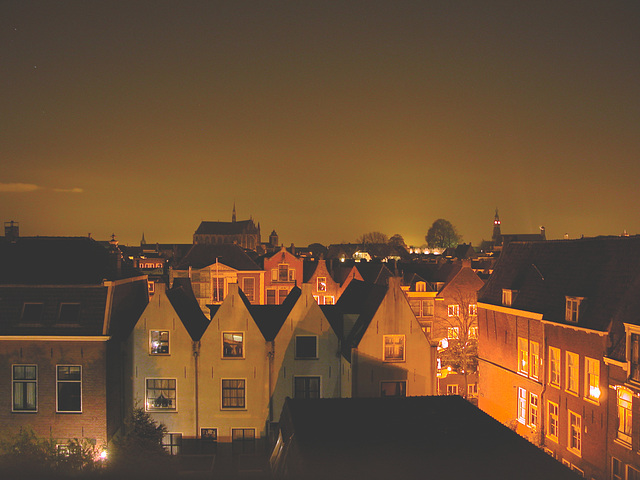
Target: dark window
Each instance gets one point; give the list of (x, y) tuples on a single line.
[(232, 345), (25, 388), (282, 295), (306, 387), (243, 440), (69, 313), (283, 272), (32, 313), (635, 357), (271, 297), (233, 393), (172, 443), (209, 434), (393, 389), (69, 382), (306, 346)]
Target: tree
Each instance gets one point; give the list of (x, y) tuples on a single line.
[(397, 240), (442, 234), (372, 237)]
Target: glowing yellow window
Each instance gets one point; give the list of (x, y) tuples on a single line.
[(523, 355)]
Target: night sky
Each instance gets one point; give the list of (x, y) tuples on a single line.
[(322, 120)]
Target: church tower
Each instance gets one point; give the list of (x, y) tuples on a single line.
[(233, 215), (496, 229)]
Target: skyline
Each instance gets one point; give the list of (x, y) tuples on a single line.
[(320, 120)]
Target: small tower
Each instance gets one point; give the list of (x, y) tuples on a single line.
[(273, 239), (143, 242), (11, 231), (496, 228), (233, 215)]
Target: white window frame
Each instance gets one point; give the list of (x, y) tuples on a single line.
[(452, 389), (534, 359), (533, 410), (453, 310), (592, 379), (572, 310), (393, 346), (570, 439), (160, 341), (523, 356), (222, 343), (20, 382), (555, 416), (522, 406), (321, 284), (148, 407), (555, 360), (59, 382), (572, 371), (244, 396), (624, 409)]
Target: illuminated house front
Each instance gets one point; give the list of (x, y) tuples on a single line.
[(558, 348)]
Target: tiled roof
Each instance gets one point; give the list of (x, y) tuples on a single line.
[(186, 306), (226, 228), (600, 269), (203, 255)]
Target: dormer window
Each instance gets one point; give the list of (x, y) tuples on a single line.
[(573, 309), (421, 286), (507, 297), (69, 314), (32, 313)]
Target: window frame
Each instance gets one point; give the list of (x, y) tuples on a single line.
[(321, 284), (533, 410), (69, 304), (60, 383), (160, 342), (209, 434), (169, 388), (224, 389), (577, 450), (298, 348), (171, 447), (555, 366), (224, 354), (534, 359), (592, 391), (453, 310), (572, 373), (307, 390), (245, 282), (23, 381), (572, 309), (552, 421), (402, 384), (452, 389), (473, 310), (521, 412), (394, 357), (523, 356), (25, 307), (624, 429)]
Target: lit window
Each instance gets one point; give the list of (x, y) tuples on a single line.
[(248, 288), (534, 359), (473, 310), (426, 328), (421, 286), (25, 388), (306, 346), (507, 297), (306, 387), (592, 378), (321, 284), (625, 402), (329, 300), (554, 366), (473, 332), (453, 310), (573, 372), (393, 348), (522, 405), (232, 345), (472, 390), (533, 410), (151, 286), (32, 313), (552, 421), (573, 309), (161, 394), (159, 342), (452, 389), (523, 355), (69, 314), (274, 274), (69, 388), (209, 435), (575, 432), (453, 333), (635, 357), (233, 393), (172, 443)]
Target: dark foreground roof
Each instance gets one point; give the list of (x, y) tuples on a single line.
[(203, 255), (406, 438)]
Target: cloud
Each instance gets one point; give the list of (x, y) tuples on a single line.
[(69, 190), (18, 187)]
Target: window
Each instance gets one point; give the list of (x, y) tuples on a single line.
[(243, 440), (69, 314), (472, 390), (453, 310), (69, 388), (32, 313), (522, 405), (306, 387), (25, 388), (573, 309), (321, 284), (283, 272), (473, 332), (625, 399), (393, 348), (172, 443), (421, 308), (233, 393), (617, 472), (271, 296), (159, 342), (151, 285), (573, 372), (426, 328), (592, 379), (209, 435), (534, 359), (453, 333), (554, 366), (473, 310), (507, 297), (421, 286), (635, 357), (452, 389), (427, 308), (282, 295), (575, 432), (523, 355), (232, 345), (393, 389), (533, 410), (161, 394), (306, 346), (248, 288), (217, 289), (632, 473), (552, 421), (328, 300)]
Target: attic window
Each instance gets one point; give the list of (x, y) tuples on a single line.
[(507, 297), (32, 313), (421, 286), (573, 309), (69, 313)]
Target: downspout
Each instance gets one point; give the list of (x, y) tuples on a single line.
[(196, 354), (270, 356)]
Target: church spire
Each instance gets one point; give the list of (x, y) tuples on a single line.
[(233, 215), (496, 227)]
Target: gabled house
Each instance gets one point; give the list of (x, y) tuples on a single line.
[(325, 289), (385, 351), (213, 268), (66, 304), (556, 350), (283, 271)]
